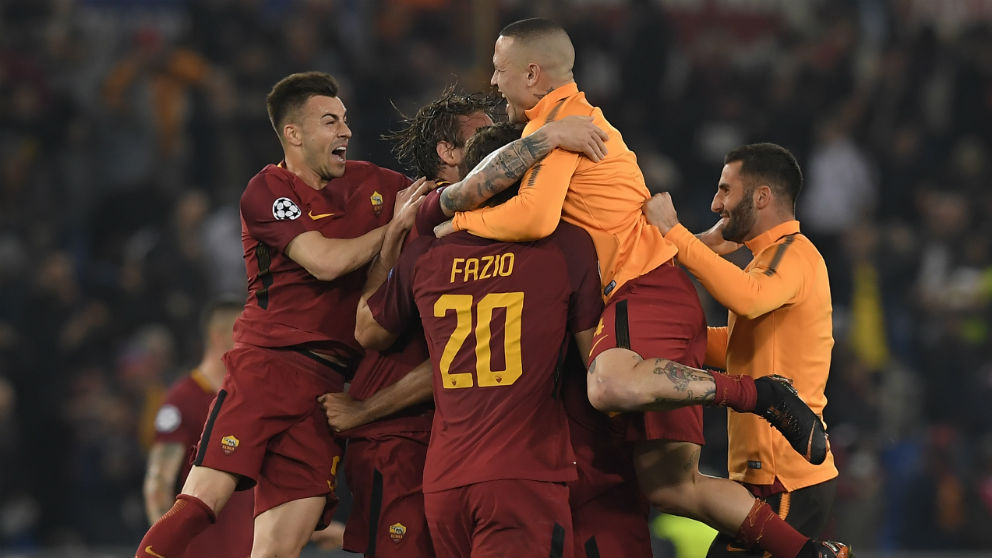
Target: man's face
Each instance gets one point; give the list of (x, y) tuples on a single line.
[(325, 134), (735, 203), (510, 76), (467, 125)]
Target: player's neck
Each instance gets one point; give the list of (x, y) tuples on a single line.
[(447, 173), (769, 221), (212, 368), (296, 166)]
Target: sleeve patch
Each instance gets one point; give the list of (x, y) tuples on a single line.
[(284, 209), (168, 419)]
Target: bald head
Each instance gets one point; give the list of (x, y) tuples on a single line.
[(542, 42)]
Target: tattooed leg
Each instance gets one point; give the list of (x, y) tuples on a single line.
[(620, 380)]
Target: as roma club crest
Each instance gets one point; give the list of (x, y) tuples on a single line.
[(376, 199), (396, 532), (229, 444)]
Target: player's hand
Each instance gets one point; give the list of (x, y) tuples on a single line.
[(713, 238), (329, 538), (343, 412), (444, 229), (409, 199), (578, 134), (660, 212)]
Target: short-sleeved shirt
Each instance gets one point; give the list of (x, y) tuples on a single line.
[(496, 316), (180, 421), (286, 305), (381, 369)]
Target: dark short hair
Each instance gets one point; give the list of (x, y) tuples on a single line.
[(217, 306), (486, 140), (293, 91), (415, 144), (527, 29), (770, 164)]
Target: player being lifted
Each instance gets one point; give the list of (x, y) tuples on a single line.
[(652, 336)]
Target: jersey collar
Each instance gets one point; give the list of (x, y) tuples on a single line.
[(546, 103), (767, 238)]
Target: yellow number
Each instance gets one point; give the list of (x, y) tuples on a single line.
[(462, 305), (513, 303)]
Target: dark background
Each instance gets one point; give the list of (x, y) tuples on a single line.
[(129, 128)]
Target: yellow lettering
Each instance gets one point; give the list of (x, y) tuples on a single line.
[(488, 260), (454, 268), (506, 264), (471, 268)]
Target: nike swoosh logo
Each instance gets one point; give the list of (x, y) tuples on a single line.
[(318, 216), (732, 548), (148, 550)]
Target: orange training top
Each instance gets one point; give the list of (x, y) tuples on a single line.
[(604, 198), (779, 323)]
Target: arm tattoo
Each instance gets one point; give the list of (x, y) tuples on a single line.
[(497, 172), (682, 378), (592, 367)]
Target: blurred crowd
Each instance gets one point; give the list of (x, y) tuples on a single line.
[(128, 129)]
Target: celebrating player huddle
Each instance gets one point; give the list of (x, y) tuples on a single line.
[(548, 292)]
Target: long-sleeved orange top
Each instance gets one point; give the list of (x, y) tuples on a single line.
[(779, 323), (604, 198)]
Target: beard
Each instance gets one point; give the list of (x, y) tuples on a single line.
[(740, 219)]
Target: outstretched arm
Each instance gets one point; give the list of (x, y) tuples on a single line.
[(503, 167)]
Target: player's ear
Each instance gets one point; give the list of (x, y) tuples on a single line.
[(292, 135), (446, 152), (762, 196), (533, 73)]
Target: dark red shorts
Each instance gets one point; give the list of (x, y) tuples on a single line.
[(266, 426), (385, 475), (658, 315), (613, 524), (609, 512), (501, 518)]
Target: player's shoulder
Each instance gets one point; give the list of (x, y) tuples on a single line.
[(271, 179), (571, 237), (182, 389), (364, 171)]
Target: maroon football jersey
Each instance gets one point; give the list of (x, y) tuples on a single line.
[(286, 305), (380, 369), (180, 421), (496, 316)]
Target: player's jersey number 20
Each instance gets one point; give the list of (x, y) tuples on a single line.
[(464, 306)]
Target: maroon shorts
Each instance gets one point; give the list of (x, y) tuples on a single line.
[(385, 475), (501, 518), (266, 426), (613, 524), (658, 315)]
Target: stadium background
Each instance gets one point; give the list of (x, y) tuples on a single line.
[(129, 127)]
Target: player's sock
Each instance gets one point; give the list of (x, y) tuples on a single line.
[(764, 528), (737, 392), (171, 534)]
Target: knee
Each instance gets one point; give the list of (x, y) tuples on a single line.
[(675, 498), (606, 393)]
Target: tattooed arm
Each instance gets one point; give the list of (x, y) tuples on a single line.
[(164, 462), (503, 167)]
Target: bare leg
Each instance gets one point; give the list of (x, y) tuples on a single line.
[(284, 530), (620, 380), (212, 487)]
